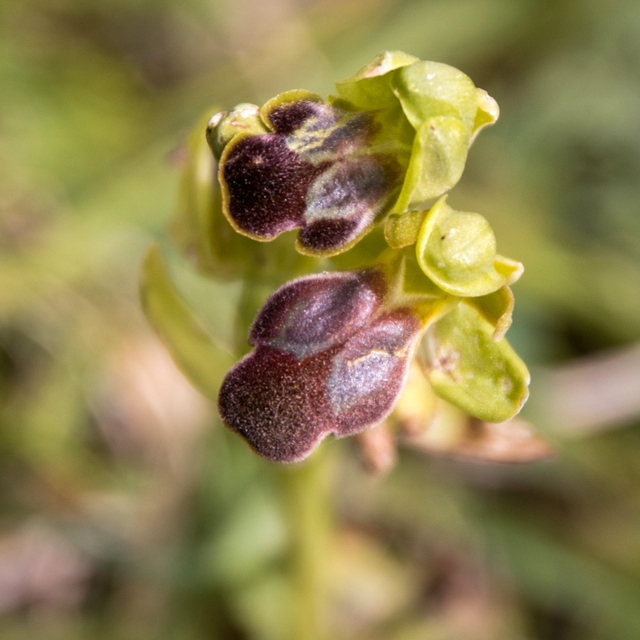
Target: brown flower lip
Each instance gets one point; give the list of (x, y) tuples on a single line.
[(314, 172), (329, 358)]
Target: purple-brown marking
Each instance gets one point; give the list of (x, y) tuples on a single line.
[(314, 313), (267, 185)]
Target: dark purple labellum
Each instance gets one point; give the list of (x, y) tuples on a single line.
[(329, 358), (317, 172)]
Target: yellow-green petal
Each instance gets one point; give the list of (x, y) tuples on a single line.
[(467, 368), (401, 229), (510, 269), (488, 112)]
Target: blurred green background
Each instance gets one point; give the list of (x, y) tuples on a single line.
[(126, 510)]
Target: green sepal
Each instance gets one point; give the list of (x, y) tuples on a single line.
[(438, 156), (457, 250), (198, 226), (447, 111), (429, 89), (370, 87), (193, 349), (467, 368)]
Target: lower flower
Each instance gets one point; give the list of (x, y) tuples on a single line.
[(332, 353), (331, 357)]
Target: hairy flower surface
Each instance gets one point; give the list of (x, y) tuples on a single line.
[(329, 171)]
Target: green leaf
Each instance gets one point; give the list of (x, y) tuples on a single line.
[(370, 88), (457, 250), (467, 368), (202, 361)]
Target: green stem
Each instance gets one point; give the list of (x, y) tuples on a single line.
[(306, 505), (308, 514)]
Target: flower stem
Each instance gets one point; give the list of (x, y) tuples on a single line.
[(308, 515)]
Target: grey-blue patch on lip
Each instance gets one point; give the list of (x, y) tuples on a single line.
[(351, 380), (356, 187), (370, 369)]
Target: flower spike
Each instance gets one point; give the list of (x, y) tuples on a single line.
[(331, 351)]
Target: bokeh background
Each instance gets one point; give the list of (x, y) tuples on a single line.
[(126, 511)]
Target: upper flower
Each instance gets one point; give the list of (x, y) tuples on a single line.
[(395, 137)]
